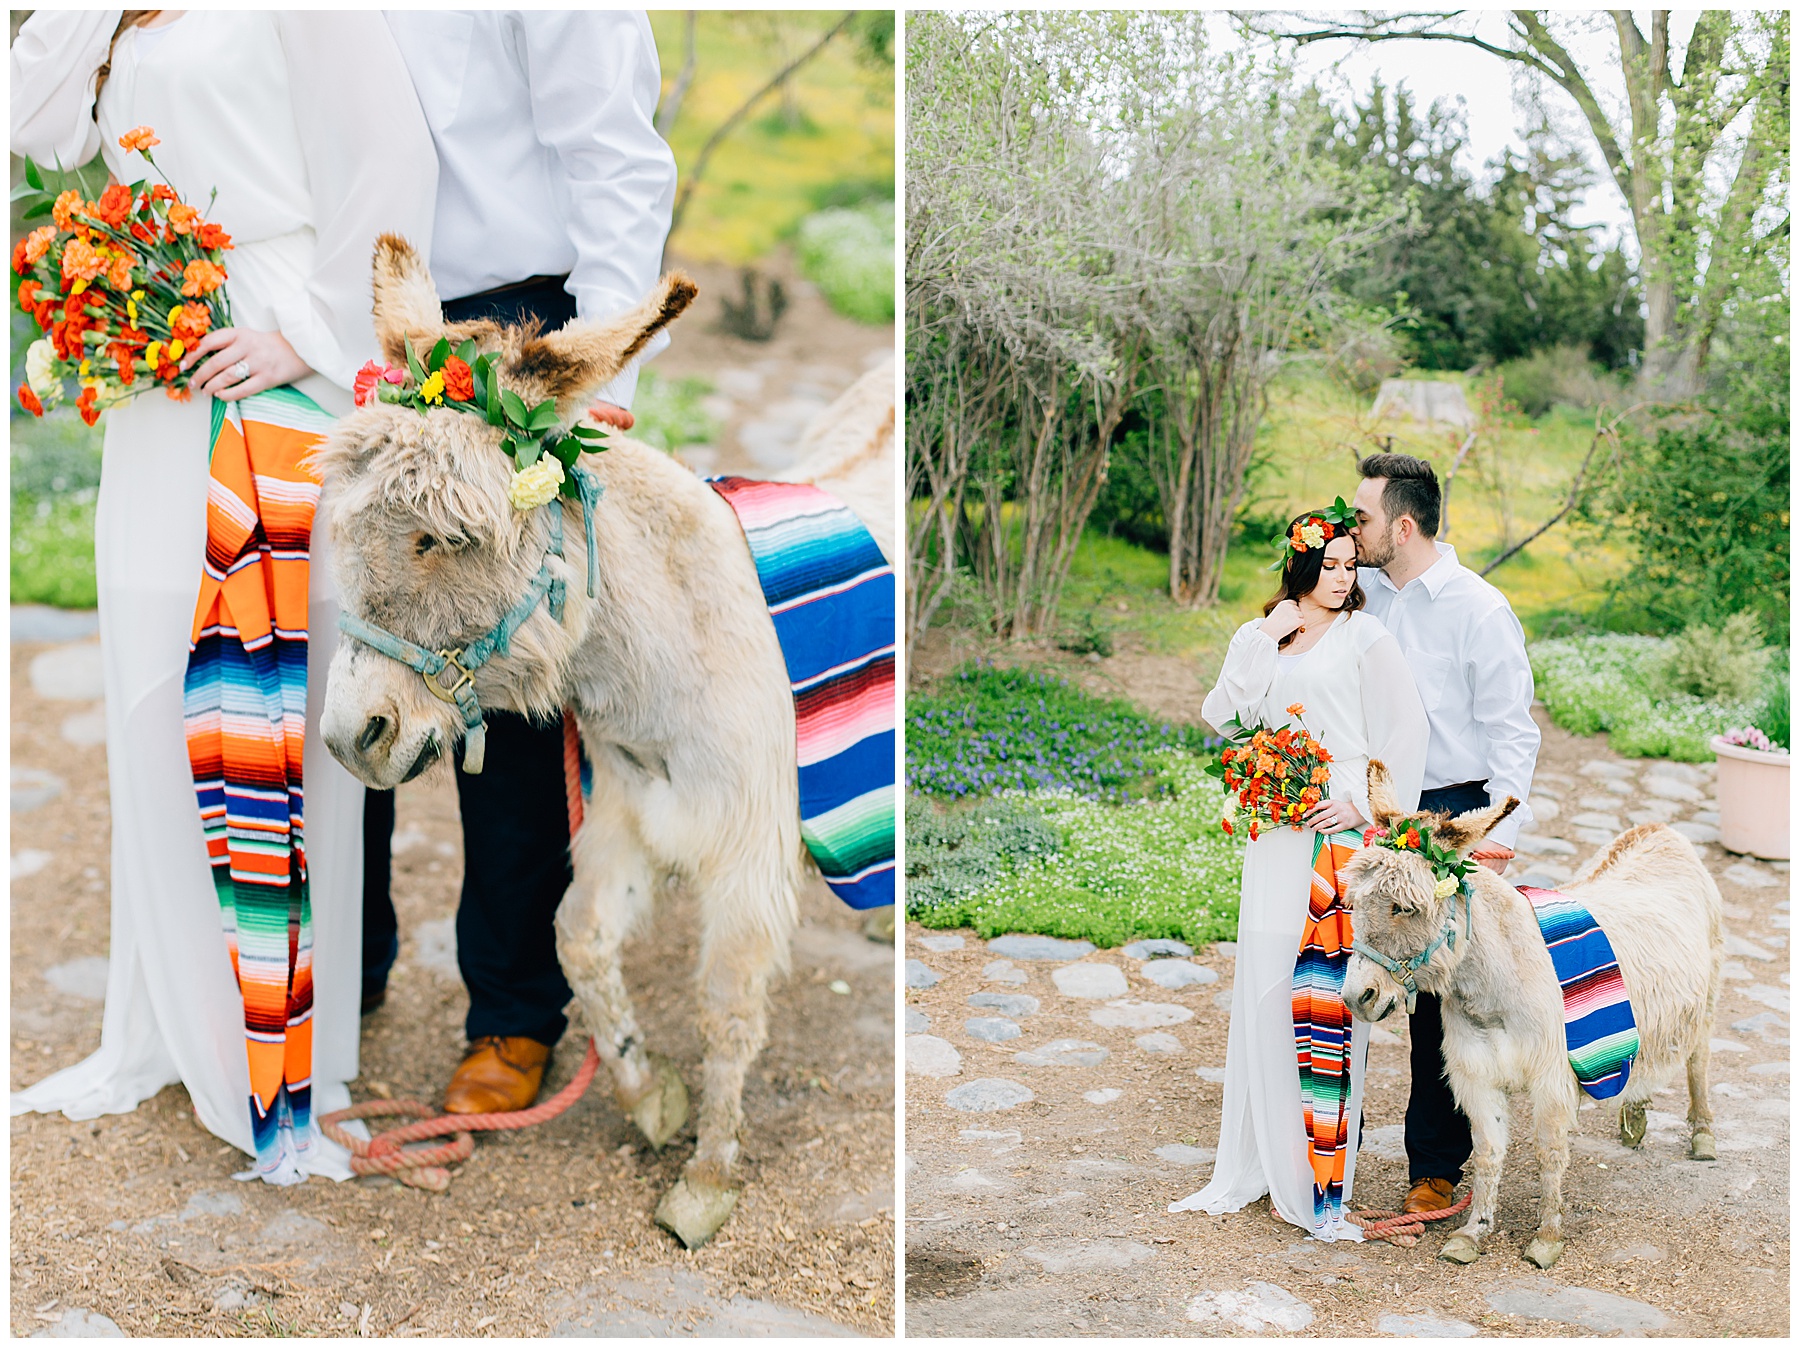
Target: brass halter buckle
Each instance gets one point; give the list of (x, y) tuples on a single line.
[(439, 690)]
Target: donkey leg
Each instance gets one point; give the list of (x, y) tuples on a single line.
[(612, 892), (1553, 1115), (737, 961), (1701, 1145), (1486, 1108)]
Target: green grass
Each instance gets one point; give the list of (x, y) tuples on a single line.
[(670, 413), (55, 475), (1148, 868), (849, 255)]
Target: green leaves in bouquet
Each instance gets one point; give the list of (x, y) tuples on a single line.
[(416, 370), (439, 354), (34, 176)]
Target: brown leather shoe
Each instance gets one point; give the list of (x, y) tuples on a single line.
[(500, 1075), (1430, 1195)]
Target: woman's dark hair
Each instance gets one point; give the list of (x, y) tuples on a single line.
[(1301, 570)]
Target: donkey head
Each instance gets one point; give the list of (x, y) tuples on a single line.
[(1394, 904), (427, 545)]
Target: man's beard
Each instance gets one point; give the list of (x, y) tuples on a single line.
[(1375, 551)]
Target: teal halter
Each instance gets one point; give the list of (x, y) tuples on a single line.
[(460, 663), (1404, 971)]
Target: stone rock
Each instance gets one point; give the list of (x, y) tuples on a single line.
[(1177, 1153), (1695, 833), (1177, 973), (1672, 788), (1039, 948), (40, 622), (1635, 1254), (1424, 1327), (82, 1324), (69, 673), (1736, 972), (1594, 837), (83, 978), (1542, 1299), (1727, 1046), (1097, 1254), (1126, 1015), (929, 1056), (1015, 1004), (1765, 1025), (212, 1203), (1064, 1053), (1222, 1000), (29, 861), (1543, 808), (1737, 945), (1560, 874), (86, 728), (1537, 845), (1694, 773), (918, 976), (1770, 1069), (1616, 786), (940, 944), (32, 787), (989, 1095), (1095, 982), (664, 1303), (1649, 814), (1385, 1144), (1750, 877), (1216, 1075), (1535, 878), (991, 1029), (1705, 817), (1380, 1038), (917, 1022), (1002, 971), (1600, 767), (1596, 814), (1263, 1307), (1143, 950), (1776, 999), (293, 1228), (1102, 1097), (1158, 1043), (1223, 948)]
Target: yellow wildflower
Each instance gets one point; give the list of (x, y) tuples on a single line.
[(432, 391), (176, 348), (153, 354)]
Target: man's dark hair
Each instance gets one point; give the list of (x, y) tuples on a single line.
[(1412, 488)]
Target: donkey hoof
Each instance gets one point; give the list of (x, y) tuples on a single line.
[(1634, 1122), (664, 1108), (1460, 1249), (1544, 1253), (693, 1212), (1701, 1146)]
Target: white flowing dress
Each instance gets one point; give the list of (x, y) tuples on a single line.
[(307, 125), (1360, 703)]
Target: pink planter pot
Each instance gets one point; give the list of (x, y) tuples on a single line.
[(1753, 801)]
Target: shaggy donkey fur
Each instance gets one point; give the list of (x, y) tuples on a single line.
[(673, 672), (1503, 1008)]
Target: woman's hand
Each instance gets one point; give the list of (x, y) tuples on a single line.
[(241, 361), (1283, 619), (1333, 816)]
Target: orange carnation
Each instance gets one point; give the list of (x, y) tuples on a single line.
[(459, 380), (1296, 709), (139, 138), (118, 274), (28, 294), (201, 278), (38, 242), (63, 212), (29, 401), (85, 405), (212, 237), (189, 322), (183, 218), (81, 261)]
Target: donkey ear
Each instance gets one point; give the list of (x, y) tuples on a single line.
[(406, 300), (1381, 795), (1465, 830), (577, 361)]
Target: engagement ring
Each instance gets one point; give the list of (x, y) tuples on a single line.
[(241, 370)]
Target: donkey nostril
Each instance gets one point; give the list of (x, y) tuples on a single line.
[(372, 733), (1368, 996)]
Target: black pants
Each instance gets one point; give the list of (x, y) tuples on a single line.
[(1437, 1133), (515, 824)]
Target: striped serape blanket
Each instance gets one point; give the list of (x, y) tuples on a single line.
[(1322, 1025), (831, 594), (244, 710), (1598, 1027)]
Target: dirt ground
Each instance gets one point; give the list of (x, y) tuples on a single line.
[(135, 1218), (1049, 1217)]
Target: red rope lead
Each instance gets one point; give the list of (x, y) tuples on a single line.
[(1403, 1228), (423, 1168)]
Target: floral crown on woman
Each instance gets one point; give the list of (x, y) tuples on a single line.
[(1315, 531)]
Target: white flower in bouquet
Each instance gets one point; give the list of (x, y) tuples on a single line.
[(40, 372)]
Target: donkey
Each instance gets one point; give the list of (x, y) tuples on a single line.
[(672, 669), (1503, 1007)]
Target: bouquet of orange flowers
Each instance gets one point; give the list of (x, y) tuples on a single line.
[(122, 287), (1278, 774)]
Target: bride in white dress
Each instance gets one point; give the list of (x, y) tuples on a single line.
[(307, 125), (1343, 666)]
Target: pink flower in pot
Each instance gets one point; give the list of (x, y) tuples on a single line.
[(1753, 794)]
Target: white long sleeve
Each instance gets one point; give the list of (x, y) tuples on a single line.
[(1245, 678), (1398, 730), (52, 65), (371, 169)]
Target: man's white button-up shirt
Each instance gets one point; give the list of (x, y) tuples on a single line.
[(1466, 650), (548, 158)]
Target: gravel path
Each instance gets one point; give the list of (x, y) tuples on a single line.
[(1058, 1099)]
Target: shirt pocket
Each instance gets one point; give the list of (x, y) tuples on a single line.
[(1432, 674)]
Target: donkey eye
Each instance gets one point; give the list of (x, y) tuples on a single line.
[(425, 544)]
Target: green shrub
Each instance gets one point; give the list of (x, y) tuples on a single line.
[(1772, 720), (951, 854), (671, 413), (55, 478), (849, 255), (1727, 664), (1149, 868)]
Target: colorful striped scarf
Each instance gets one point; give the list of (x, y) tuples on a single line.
[(244, 709), (831, 594), (1322, 1025), (1598, 1027)]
